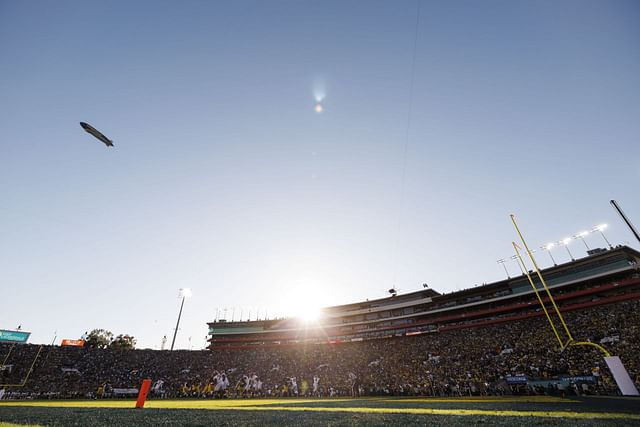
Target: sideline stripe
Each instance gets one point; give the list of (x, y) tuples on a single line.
[(163, 404), (233, 403), (476, 400), (252, 406)]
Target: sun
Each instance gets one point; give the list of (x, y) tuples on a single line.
[(310, 315), (307, 310), (304, 302)]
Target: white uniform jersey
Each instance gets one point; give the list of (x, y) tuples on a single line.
[(221, 383), (157, 387)]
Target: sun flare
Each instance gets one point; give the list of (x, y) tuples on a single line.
[(305, 302)]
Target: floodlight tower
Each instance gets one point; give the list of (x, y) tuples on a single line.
[(548, 248), (600, 228), (500, 261), (184, 293), (565, 242), (580, 236)]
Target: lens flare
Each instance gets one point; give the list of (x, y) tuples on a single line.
[(319, 91)]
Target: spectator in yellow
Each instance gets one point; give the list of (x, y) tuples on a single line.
[(304, 387)]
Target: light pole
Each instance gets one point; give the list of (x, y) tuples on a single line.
[(184, 293), (618, 209), (520, 265), (565, 243), (600, 228), (502, 261), (580, 236), (547, 248)]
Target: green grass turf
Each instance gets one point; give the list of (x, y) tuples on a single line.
[(375, 411)]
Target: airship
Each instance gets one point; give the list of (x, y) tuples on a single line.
[(95, 132)]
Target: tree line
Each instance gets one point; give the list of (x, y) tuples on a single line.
[(102, 338)]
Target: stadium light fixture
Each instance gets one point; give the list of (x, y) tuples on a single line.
[(548, 248), (184, 293), (515, 258), (565, 242), (600, 228), (581, 236), (502, 261)]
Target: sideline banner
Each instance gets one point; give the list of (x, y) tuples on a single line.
[(620, 374), (591, 379), (516, 379)]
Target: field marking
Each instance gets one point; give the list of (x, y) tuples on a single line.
[(532, 399), (262, 405), (235, 403), (6, 424), (163, 404)]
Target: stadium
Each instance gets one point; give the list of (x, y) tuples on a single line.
[(486, 352), (605, 277), (327, 185)]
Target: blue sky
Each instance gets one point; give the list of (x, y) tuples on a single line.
[(225, 180)]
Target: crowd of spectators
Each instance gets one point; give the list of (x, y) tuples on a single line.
[(473, 361)]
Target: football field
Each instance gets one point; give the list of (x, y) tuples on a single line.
[(363, 411)]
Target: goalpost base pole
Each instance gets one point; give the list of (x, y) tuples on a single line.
[(144, 391)]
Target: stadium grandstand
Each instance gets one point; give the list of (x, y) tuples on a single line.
[(485, 340), (604, 277)]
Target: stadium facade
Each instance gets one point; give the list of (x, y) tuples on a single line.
[(605, 276)]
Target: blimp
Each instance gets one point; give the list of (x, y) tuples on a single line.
[(95, 132)]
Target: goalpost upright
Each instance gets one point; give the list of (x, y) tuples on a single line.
[(28, 372), (620, 374)]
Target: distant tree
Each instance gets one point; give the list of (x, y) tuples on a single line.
[(98, 338), (123, 342)]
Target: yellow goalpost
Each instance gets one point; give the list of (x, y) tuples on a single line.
[(619, 372), (30, 368), (570, 341)]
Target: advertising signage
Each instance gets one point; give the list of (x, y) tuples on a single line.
[(517, 379), (14, 336), (72, 343)]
